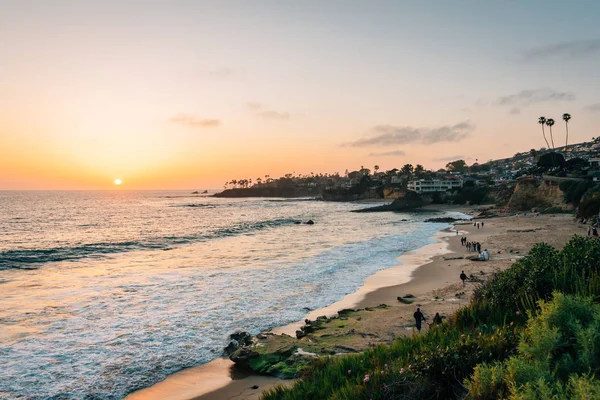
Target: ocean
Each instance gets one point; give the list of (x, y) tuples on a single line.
[(103, 293)]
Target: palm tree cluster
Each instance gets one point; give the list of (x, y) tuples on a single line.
[(550, 122)]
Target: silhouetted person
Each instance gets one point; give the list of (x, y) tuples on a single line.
[(463, 277), (418, 318), (482, 224), (437, 320)]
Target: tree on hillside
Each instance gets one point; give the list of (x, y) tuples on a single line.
[(459, 166), (551, 160), (376, 168), (566, 117), (550, 123), (407, 170), (542, 121), (419, 171), (533, 153)]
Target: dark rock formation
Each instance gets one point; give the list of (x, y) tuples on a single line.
[(310, 222), (243, 356), (409, 201), (237, 340), (444, 219)]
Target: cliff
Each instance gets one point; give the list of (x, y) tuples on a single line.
[(530, 194)]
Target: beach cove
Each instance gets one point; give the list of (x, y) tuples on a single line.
[(430, 274)]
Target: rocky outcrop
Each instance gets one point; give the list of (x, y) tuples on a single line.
[(446, 220), (237, 340), (529, 194), (409, 201)]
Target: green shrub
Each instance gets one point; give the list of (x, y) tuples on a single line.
[(558, 350)]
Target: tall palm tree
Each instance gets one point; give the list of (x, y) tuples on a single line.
[(542, 122), (550, 122), (566, 118)]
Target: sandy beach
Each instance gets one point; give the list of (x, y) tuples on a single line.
[(430, 274)]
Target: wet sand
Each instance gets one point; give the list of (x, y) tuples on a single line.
[(430, 273)]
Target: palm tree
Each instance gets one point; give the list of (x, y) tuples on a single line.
[(542, 121), (550, 122), (566, 118), (376, 168)]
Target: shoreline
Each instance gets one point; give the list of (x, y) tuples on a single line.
[(433, 281), (218, 378)]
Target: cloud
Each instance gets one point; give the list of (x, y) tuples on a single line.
[(254, 106), (386, 135), (451, 158), (577, 48), (260, 111), (531, 96), (221, 73), (593, 107), (270, 114), (194, 122), (515, 111), (388, 154)]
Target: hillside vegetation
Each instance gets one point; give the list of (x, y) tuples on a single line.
[(531, 332)]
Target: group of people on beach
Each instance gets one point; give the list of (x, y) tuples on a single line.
[(419, 318), (478, 224), (471, 246)]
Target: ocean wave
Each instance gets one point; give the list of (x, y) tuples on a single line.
[(34, 258)]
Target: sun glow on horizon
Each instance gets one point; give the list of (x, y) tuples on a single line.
[(118, 181)]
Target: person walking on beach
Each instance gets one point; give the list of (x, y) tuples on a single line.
[(463, 277), (478, 225), (437, 320), (482, 224), (418, 318), (589, 231)]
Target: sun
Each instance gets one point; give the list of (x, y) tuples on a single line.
[(118, 181)]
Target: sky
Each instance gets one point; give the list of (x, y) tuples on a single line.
[(191, 94)]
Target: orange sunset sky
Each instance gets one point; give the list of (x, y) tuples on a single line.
[(190, 94)]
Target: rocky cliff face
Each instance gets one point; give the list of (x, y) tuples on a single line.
[(531, 194)]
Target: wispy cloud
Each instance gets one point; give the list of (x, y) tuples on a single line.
[(395, 153), (514, 111), (271, 114), (221, 73), (451, 158), (593, 107), (577, 48), (194, 122), (387, 135), (531, 96), (261, 111)]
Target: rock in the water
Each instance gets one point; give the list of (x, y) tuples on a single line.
[(310, 222), (409, 296), (443, 219), (237, 340)]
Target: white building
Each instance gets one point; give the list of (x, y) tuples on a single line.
[(422, 186)]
